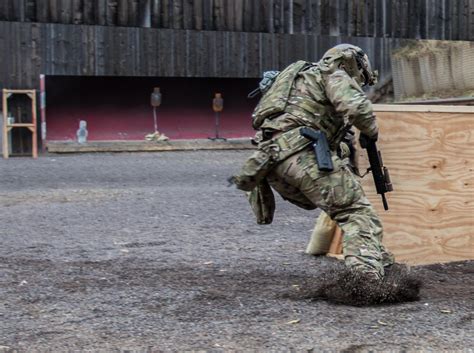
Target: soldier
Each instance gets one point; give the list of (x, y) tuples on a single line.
[(326, 97)]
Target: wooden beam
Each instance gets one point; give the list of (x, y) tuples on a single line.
[(207, 15), (53, 11), (122, 12), (4, 127), (133, 14), (198, 13), (155, 13), (33, 128), (188, 14), (77, 11), (101, 12), (423, 108), (146, 146), (65, 13)]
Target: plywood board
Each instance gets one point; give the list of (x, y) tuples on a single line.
[(431, 160)]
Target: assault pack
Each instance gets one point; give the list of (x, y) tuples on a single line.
[(275, 99)]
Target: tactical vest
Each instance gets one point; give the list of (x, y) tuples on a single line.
[(312, 106), (275, 100), (284, 97)]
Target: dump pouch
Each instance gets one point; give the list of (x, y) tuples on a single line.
[(256, 167), (262, 201)]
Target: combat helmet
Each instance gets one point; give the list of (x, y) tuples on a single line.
[(354, 61)]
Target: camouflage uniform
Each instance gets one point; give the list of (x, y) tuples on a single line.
[(324, 229), (323, 97)]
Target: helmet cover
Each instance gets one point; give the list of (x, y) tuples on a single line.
[(354, 61)]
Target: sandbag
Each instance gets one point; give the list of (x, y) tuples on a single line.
[(322, 235)]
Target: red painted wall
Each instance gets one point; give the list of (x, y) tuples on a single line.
[(118, 108)]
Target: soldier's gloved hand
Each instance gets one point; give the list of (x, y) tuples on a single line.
[(349, 137), (364, 140), (231, 181), (344, 151)]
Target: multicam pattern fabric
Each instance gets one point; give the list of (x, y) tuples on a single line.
[(340, 195), (274, 101), (323, 231), (328, 101), (262, 201), (326, 98), (269, 153)]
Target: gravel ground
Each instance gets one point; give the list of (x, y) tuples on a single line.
[(154, 252)]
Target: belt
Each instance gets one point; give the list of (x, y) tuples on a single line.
[(269, 134)]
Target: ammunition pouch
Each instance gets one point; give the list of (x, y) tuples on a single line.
[(262, 201)]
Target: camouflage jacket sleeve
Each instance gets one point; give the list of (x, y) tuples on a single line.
[(350, 101)]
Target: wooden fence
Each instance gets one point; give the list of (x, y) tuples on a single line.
[(418, 19), (31, 49), (428, 150)]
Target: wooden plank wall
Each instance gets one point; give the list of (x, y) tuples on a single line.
[(428, 150), (418, 19), (31, 49)]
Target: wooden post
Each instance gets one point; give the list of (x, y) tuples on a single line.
[(33, 129), (4, 130)]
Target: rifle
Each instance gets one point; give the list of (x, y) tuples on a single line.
[(321, 148), (380, 173)]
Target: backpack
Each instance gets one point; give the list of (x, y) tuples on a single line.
[(275, 99)]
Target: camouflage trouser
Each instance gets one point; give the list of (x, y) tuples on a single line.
[(340, 195), (323, 234)]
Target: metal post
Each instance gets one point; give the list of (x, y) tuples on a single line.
[(154, 119), (43, 111), (217, 125), (217, 106), (155, 101)]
